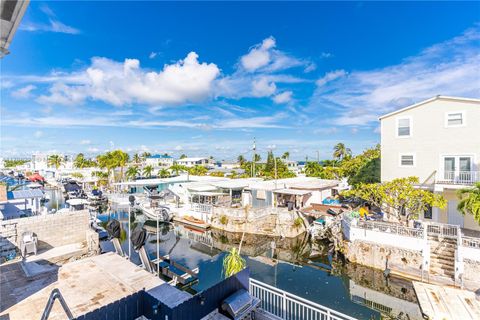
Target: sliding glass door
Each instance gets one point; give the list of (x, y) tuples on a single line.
[(457, 168)]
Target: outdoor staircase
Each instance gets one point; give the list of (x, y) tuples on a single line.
[(442, 256)]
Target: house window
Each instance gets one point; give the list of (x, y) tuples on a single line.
[(455, 119), (428, 213), (407, 160), (404, 127)]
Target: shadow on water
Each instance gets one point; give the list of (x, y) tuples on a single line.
[(295, 265)]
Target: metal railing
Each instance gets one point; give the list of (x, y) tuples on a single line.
[(291, 307), (459, 177), (471, 242), (443, 230), (201, 207), (391, 228)]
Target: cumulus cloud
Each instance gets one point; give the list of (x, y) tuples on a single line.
[(152, 55), (38, 134), (448, 68), (283, 97), (263, 57), (118, 83), (24, 92), (263, 88)]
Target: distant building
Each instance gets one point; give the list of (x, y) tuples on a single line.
[(159, 160), (192, 162), (438, 141)]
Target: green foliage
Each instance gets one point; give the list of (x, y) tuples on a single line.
[(267, 170), (233, 263), (198, 170), (55, 160), (217, 174), (241, 159), (314, 169), (14, 163), (132, 172), (77, 175), (147, 171), (177, 168), (146, 155), (223, 219), (163, 173), (470, 201), (183, 156), (369, 173), (298, 222), (341, 152), (136, 158), (398, 195)]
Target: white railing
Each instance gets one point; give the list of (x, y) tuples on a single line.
[(291, 307), (390, 228), (202, 207), (459, 177), (443, 230), (470, 242)]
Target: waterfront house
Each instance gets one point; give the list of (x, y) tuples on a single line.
[(192, 162), (159, 160), (15, 204), (438, 141)]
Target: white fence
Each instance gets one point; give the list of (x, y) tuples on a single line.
[(459, 177), (291, 307), (443, 230), (202, 208), (391, 228)]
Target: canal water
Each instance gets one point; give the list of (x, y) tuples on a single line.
[(294, 265)]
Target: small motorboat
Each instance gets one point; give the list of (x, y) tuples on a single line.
[(155, 212)]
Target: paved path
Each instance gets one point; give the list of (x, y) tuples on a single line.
[(441, 302)]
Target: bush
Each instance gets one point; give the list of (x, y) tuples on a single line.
[(223, 220), (298, 222)]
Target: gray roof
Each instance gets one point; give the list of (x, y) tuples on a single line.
[(25, 194)]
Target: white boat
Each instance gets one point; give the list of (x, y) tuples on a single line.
[(160, 213)]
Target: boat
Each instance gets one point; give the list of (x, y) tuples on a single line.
[(193, 222), (155, 212)]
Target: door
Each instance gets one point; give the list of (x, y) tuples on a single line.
[(454, 217), (449, 168), (465, 169)]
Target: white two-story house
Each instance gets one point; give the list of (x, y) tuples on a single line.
[(438, 141)]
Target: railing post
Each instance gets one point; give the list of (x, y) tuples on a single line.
[(284, 305)]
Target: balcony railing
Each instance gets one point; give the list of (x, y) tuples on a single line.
[(458, 177)]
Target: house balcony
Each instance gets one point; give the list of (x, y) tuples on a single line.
[(461, 178)]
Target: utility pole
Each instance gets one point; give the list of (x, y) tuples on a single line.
[(254, 157)]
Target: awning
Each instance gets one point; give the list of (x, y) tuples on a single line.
[(295, 192), (201, 188)]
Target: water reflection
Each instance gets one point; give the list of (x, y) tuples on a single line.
[(294, 265)]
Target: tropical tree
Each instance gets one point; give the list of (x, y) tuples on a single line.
[(132, 172), (198, 170), (146, 155), (80, 161), (55, 160), (136, 158), (77, 175), (112, 160), (341, 152), (147, 171), (241, 159), (470, 201), (286, 155), (257, 158), (399, 197), (183, 156), (163, 173), (177, 168)]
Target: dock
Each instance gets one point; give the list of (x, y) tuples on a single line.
[(86, 285), (442, 302)]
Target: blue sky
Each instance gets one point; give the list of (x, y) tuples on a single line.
[(206, 78)]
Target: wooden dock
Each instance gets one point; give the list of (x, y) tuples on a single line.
[(442, 302)]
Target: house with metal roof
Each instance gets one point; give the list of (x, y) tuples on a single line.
[(15, 204), (159, 160)]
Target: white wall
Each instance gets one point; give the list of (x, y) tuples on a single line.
[(430, 138)]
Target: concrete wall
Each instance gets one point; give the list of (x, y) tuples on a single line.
[(430, 138), (53, 230)]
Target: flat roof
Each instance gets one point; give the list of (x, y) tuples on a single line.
[(293, 192), (25, 194), (85, 284)]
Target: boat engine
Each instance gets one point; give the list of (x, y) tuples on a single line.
[(114, 228), (138, 237)]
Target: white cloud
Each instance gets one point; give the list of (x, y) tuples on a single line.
[(152, 55), (93, 149), (264, 57), (448, 68), (85, 142), (38, 134), (283, 97), (24, 92), (178, 148), (325, 55), (53, 24), (263, 88), (125, 83), (330, 76)]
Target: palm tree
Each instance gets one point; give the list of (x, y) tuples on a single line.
[(241, 159), (341, 152), (147, 171), (286, 155), (163, 173), (470, 201), (80, 161), (132, 172), (177, 168), (257, 158), (136, 158), (183, 156), (55, 160)]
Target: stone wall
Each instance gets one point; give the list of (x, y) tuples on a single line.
[(471, 270), (52, 230), (398, 260)]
